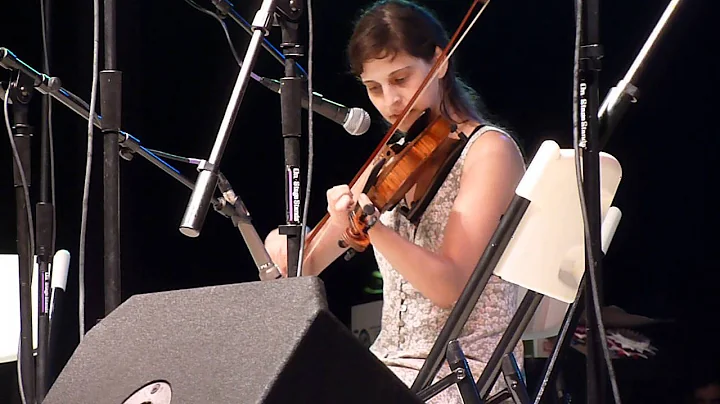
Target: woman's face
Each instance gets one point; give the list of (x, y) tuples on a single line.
[(391, 83)]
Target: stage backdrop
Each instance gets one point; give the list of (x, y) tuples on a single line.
[(178, 73)]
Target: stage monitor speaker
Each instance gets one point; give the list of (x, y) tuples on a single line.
[(257, 342)]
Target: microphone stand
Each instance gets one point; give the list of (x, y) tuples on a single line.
[(44, 233), (225, 8), (587, 98), (230, 205), (611, 112), (206, 182), (19, 94), (287, 17), (111, 110)]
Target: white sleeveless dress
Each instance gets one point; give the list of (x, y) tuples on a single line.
[(411, 322)]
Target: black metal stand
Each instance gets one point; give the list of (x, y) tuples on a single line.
[(508, 341), (129, 145), (19, 95), (459, 365), (206, 182), (514, 380), (564, 338), (590, 54), (355, 121), (230, 205), (111, 110), (44, 235), (472, 292), (287, 17), (43, 246), (609, 115), (460, 374), (225, 8)]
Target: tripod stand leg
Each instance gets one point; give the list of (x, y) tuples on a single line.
[(460, 375), (471, 294), (466, 384), (509, 340), (563, 340), (513, 378)]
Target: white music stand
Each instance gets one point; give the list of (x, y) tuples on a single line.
[(10, 307), (554, 269), (551, 312), (538, 245), (10, 300), (546, 253)]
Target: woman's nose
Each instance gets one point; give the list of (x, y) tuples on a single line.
[(392, 97)]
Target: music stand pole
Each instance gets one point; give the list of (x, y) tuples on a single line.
[(287, 17), (111, 110)]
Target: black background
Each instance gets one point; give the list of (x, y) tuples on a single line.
[(178, 73)]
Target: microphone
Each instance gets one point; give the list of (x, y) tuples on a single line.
[(356, 121), (58, 281), (267, 269)]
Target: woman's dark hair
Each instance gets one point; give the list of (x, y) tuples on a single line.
[(389, 27)]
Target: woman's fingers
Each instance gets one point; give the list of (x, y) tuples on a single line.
[(340, 199)]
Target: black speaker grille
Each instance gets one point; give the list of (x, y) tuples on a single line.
[(257, 342)]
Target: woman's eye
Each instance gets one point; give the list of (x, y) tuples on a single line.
[(400, 80)]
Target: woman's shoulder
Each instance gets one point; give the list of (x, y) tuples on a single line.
[(489, 143)]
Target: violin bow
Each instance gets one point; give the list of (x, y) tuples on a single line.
[(458, 36)]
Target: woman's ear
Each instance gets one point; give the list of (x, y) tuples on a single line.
[(442, 69)]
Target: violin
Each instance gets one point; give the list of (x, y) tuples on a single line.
[(419, 161), (398, 168)]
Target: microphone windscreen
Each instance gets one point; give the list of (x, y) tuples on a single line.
[(60, 266)]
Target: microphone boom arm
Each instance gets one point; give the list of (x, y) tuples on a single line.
[(130, 145)]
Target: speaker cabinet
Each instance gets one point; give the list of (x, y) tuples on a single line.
[(257, 342)]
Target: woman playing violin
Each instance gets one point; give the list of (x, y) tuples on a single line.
[(426, 264)]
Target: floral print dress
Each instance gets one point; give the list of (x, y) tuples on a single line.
[(411, 323)]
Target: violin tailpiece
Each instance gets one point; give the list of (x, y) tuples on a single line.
[(425, 192)]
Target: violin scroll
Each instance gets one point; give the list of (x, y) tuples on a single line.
[(362, 219)]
